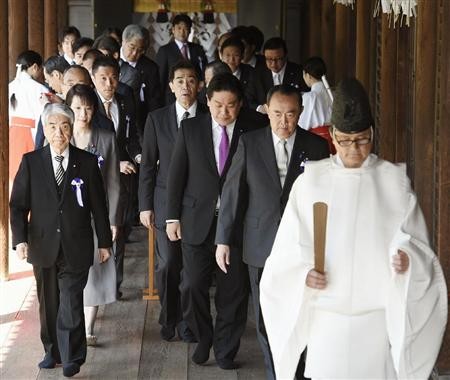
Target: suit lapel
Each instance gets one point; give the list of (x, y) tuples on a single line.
[(49, 174), (297, 160), (172, 122), (208, 142), (71, 172), (267, 152), (175, 51)]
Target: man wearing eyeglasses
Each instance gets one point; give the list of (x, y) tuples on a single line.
[(382, 291), (277, 70)]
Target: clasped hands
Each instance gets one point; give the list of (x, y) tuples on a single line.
[(317, 280)]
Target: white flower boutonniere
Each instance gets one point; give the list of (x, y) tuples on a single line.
[(77, 184)]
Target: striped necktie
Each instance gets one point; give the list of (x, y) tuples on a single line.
[(60, 170), (282, 157)]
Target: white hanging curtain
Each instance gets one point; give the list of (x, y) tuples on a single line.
[(398, 10)]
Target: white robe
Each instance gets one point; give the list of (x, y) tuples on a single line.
[(28, 94), (316, 107), (372, 212)]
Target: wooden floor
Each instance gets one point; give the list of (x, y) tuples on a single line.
[(129, 346)]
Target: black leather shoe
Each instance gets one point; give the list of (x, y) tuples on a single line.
[(201, 353), (227, 364), (167, 333), (71, 369), (48, 361)]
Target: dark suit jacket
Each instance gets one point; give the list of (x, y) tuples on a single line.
[(194, 183), (103, 144), (127, 137), (160, 133), (145, 82), (169, 54), (59, 222), (263, 82), (253, 190), (247, 78), (98, 121)]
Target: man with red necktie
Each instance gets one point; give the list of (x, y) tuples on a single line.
[(202, 155)]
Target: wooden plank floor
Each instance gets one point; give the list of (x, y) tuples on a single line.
[(129, 346)]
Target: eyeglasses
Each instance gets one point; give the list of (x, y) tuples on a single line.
[(274, 60), (349, 142), (358, 142)]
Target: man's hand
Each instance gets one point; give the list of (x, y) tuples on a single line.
[(173, 231), (316, 280), (223, 256), (22, 251), (104, 254), (127, 167), (400, 262), (114, 231), (147, 218)]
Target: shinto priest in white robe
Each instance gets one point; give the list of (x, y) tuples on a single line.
[(369, 322)]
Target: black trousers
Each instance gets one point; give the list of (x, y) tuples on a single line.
[(255, 274), (231, 298), (61, 315), (169, 261), (127, 191)]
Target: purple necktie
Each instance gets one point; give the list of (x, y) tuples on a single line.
[(184, 52), (223, 148)]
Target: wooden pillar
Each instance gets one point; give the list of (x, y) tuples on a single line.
[(345, 44), (36, 26), (387, 106), (443, 162), (313, 34), (363, 32), (63, 14), (424, 110), (50, 28), (17, 32), (4, 142), (328, 25)]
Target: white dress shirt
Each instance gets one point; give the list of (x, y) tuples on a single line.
[(237, 73), (65, 162), (280, 74), (180, 110), (180, 45), (113, 110), (289, 143)]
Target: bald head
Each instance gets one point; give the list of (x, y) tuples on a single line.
[(75, 75)]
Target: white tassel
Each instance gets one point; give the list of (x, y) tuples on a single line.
[(327, 87), (19, 70)]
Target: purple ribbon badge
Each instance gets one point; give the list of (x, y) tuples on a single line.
[(77, 184), (100, 161)]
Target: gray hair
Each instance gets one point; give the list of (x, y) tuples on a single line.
[(57, 109), (136, 31)]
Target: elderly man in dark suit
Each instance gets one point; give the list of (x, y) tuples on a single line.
[(159, 139), (203, 152), (177, 49), (56, 192), (257, 187), (278, 70), (134, 62)]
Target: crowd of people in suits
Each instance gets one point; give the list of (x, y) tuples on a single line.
[(205, 153)]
